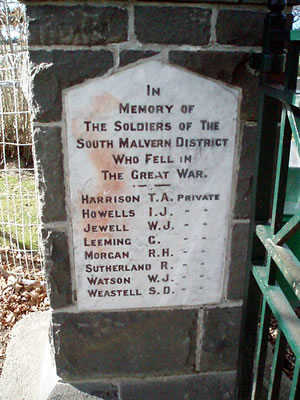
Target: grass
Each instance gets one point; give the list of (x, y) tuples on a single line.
[(18, 212)]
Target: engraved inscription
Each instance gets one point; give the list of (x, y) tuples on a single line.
[(150, 154)]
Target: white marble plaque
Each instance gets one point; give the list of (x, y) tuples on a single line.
[(150, 155)]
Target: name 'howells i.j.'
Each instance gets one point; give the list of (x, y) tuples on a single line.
[(157, 174)]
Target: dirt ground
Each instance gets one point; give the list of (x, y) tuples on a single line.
[(18, 296)]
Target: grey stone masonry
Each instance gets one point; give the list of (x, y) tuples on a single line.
[(130, 56), (233, 2), (147, 354), (90, 391), (198, 387), (60, 70), (231, 31), (190, 387), (21, 376), (173, 25), (238, 254), (231, 67), (289, 2), (124, 343), (219, 350), (57, 266), (246, 171), (77, 26), (48, 152)]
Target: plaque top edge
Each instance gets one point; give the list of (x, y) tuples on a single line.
[(152, 65)]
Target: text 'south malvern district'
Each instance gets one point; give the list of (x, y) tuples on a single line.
[(150, 158)]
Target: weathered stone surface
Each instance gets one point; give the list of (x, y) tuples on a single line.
[(258, 2), (245, 173), (229, 67), (230, 30), (117, 344), (254, 1), (195, 274), (172, 25), (48, 151), (87, 391), (67, 392), (64, 69), (289, 2), (160, 1), (201, 387), (25, 359), (57, 267), (105, 391), (219, 348), (190, 1), (237, 267), (77, 25), (130, 56)]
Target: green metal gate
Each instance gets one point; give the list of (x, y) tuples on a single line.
[(273, 276)]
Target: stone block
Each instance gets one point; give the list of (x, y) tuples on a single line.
[(245, 174), (25, 359), (190, 1), (220, 343), (48, 153), (160, 1), (61, 70), (229, 67), (231, 31), (237, 268), (173, 25), (87, 391), (265, 2), (57, 268), (201, 387), (118, 343), (85, 25), (130, 56), (262, 2), (258, 2), (105, 391)]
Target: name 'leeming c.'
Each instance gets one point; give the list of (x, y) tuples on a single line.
[(165, 157)]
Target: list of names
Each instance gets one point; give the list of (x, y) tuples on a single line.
[(149, 155)]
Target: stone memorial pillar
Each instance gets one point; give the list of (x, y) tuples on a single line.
[(144, 141)]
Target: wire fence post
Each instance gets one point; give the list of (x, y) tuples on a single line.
[(20, 251)]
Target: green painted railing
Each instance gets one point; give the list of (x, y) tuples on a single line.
[(273, 276)]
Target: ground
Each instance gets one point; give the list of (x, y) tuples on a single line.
[(18, 296)]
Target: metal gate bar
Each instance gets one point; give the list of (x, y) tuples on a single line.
[(273, 276)]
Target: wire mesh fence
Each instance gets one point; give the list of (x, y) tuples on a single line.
[(20, 252)]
